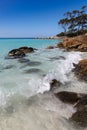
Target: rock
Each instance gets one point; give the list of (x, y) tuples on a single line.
[(80, 117), (20, 52), (78, 43), (15, 53), (81, 70), (54, 84), (82, 103), (57, 58), (68, 97), (60, 45), (50, 47), (33, 63), (82, 48), (33, 70), (26, 49), (23, 60)]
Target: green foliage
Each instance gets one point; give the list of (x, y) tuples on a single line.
[(74, 23), (60, 34)]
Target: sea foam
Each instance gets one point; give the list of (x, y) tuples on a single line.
[(29, 85), (60, 72)]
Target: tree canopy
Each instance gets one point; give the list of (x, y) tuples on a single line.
[(74, 22)]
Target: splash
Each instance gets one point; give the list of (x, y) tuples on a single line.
[(60, 72)]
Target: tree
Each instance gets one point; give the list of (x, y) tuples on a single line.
[(83, 17), (64, 23), (75, 21)]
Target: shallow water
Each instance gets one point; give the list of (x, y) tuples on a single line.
[(25, 99)]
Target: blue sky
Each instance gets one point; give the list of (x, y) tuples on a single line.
[(30, 18)]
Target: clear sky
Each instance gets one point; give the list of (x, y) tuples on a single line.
[(32, 18)]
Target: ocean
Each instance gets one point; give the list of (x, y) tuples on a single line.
[(26, 102)]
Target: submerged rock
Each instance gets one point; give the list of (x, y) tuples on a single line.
[(33, 70), (23, 60), (68, 97), (58, 58), (15, 53), (33, 63), (81, 69), (9, 67)]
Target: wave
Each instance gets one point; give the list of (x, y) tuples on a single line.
[(59, 72), (29, 86)]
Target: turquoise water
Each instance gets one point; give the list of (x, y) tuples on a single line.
[(23, 103), (8, 44), (14, 81)]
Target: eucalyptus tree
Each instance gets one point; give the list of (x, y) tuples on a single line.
[(83, 18), (64, 23), (75, 21)]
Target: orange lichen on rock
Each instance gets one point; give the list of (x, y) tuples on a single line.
[(78, 43)]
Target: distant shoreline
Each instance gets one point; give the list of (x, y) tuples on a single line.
[(43, 38)]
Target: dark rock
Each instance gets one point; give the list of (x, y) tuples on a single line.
[(82, 103), (19, 53), (15, 53), (68, 97), (50, 47), (54, 84), (33, 70), (80, 117), (57, 58), (31, 63), (26, 49)]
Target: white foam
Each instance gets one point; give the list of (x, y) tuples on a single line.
[(2, 98), (27, 86), (60, 72)]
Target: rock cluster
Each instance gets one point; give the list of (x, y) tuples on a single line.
[(20, 52), (78, 43)]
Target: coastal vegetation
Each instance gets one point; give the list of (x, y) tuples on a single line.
[(74, 23)]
